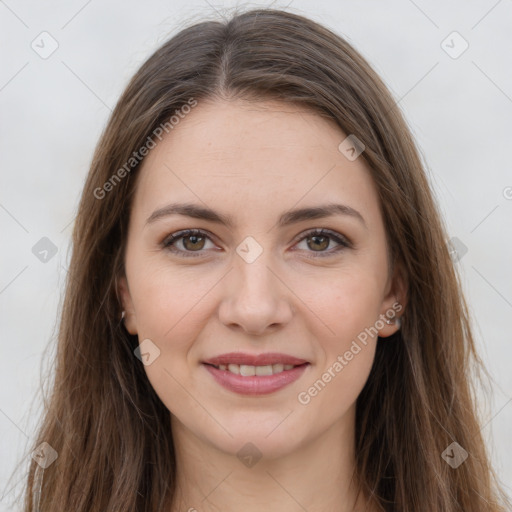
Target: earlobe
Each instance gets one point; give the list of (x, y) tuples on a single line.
[(389, 323), (393, 305), (128, 315)]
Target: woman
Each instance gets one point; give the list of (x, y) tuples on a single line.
[(261, 309)]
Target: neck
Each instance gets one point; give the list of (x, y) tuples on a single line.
[(316, 476)]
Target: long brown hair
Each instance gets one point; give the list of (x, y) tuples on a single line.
[(110, 430)]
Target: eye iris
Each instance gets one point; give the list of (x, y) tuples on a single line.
[(193, 239), (323, 245)]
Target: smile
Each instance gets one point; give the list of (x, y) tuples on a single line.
[(249, 371), (255, 375)]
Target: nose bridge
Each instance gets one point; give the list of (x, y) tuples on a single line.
[(254, 279), (256, 298)]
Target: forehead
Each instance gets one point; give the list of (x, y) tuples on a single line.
[(250, 159)]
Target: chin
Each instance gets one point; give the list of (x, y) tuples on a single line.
[(258, 445), (266, 435)]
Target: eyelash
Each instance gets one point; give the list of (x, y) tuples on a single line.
[(168, 242)]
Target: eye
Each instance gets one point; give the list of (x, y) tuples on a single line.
[(319, 239), (194, 241)]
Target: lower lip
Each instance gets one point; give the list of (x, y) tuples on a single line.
[(256, 385)]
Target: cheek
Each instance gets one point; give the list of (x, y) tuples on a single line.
[(344, 359), (350, 304), (350, 308), (172, 306), (168, 300), (332, 391)]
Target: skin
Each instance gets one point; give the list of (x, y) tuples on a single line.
[(253, 161)]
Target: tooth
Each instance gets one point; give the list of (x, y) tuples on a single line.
[(234, 368), (247, 371), (264, 370), (277, 368)]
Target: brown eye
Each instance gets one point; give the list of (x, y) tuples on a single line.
[(191, 241), (194, 242), (318, 242)]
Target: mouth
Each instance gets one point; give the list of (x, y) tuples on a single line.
[(255, 375)]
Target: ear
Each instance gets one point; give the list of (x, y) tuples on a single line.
[(394, 302), (130, 320)]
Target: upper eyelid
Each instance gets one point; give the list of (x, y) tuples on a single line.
[(176, 235)]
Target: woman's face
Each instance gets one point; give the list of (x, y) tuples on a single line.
[(295, 312)]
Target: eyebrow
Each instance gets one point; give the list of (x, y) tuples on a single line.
[(287, 218)]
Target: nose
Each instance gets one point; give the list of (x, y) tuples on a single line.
[(256, 299)]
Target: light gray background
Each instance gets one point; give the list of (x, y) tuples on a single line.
[(53, 111)]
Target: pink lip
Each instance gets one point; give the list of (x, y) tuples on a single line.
[(255, 385), (252, 360)]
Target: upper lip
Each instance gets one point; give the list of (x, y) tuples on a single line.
[(254, 360)]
